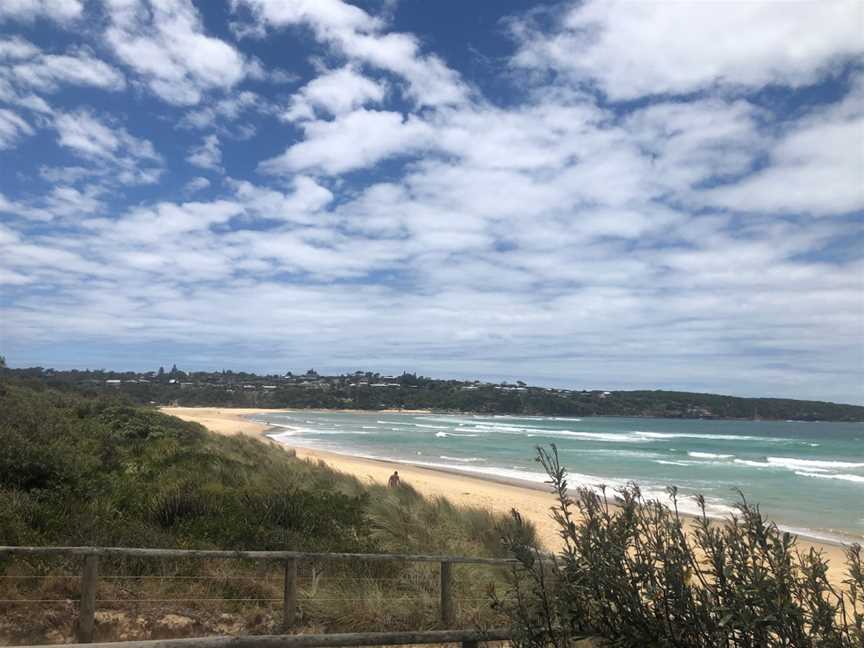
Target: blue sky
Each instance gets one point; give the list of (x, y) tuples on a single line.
[(593, 194)]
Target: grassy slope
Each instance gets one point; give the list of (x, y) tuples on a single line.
[(81, 470)]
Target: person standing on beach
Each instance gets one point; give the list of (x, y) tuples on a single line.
[(393, 482)]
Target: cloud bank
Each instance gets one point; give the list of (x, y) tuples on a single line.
[(656, 194)]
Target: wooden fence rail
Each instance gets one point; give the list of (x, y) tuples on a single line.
[(290, 559), (468, 639)]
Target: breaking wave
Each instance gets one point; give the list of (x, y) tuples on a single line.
[(858, 479), (790, 462)]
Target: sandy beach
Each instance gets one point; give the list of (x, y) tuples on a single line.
[(463, 490)]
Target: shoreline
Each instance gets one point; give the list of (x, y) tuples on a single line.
[(500, 495)]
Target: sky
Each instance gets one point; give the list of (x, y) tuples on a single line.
[(596, 194)]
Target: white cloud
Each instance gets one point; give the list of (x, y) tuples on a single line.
[(692, 142), (208, 155), (328, 15), (634, 49), (46, 72), (62, 201), (10, 278), (61, 11), (165, 220), (27, 70), (131, 160), (361, 37), (15, 47), (334, 93), (164, 42), (352, 141), (196, 184), (302, 205), (228, 109), (548, 236), (816, 167), (12, 128)]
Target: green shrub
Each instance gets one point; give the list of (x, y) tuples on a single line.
[(98, 471), (631, 574)]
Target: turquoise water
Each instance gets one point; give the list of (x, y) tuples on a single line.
[(808, 477)]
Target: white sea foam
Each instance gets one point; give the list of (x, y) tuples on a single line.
[(858, 479), (609, 437), (498, 424), (294, 430), (503, 428), (772, 466), (695, 462), (806, 464), (433, 427), (694, 435), (463, 459), (709, 455), (448, 419), (754, 464), (817, 534), (521, 475), (444, 435), (612, 452), (714, 506)]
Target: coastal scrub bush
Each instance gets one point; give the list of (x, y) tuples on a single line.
[(79, 469), (631, 573)]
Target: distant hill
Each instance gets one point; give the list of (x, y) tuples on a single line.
[(372, 391)]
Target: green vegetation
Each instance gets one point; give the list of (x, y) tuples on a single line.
[(367, 390), (94, 470), (633, 576)]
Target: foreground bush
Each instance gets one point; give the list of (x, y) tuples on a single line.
[(631, 574)]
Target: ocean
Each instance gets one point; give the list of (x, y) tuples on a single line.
[(807, 477)]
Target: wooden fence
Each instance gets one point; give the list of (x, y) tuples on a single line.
[(90, 576), (468, 639)]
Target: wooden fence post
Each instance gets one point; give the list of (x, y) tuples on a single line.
[(87, 609), (289, 602), (448, 613)]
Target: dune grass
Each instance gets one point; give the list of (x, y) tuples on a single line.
[(78, 470)]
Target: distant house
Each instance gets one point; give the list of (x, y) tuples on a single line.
[(269, 387), (113, 383)]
